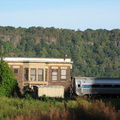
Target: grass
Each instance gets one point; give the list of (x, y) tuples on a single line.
[(80, 109)]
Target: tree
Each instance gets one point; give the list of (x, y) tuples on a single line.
[(90, 50), (8, 83)]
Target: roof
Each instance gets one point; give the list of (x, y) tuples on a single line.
[(93, 78), (49, 86), (22, 59)]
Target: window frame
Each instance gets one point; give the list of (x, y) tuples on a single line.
[(14, 70), (41, 75), (16, 73), (33, 76), (54, 75), (46, 73), (26, 76), (63, 76)]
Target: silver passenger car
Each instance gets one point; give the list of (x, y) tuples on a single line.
[(89, 86)]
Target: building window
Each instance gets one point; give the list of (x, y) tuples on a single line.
[(26, 74), (16, 70), (40, 74), (54, 74), (16, 73), (63, 75), (46, 70), (33, 74)]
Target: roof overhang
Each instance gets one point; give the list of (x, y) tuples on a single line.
[(46, 60)]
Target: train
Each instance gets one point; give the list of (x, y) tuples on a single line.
[(82, 86)]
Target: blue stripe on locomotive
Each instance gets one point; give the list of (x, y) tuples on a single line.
[(86, 86)]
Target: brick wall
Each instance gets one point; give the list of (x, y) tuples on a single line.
[(20, 75), (66, 83)]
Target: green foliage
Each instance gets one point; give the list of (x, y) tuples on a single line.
[(28, 96), (8, 47), (47, 99), (95, 53), (28, 93), (8, 84), (22, 109)]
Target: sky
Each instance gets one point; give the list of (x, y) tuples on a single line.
[(65, 14)]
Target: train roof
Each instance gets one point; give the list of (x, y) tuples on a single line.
[(93, 78)]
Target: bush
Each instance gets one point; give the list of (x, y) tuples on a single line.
[(22, 109), (28, 96), (8, 83)]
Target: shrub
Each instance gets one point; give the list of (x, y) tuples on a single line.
[(22, 109), (8, 83)]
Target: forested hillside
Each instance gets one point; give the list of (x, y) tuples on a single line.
[(95, 53)]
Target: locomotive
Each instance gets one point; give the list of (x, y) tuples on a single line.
[(95, 86)]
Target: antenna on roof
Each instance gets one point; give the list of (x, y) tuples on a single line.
[(65, 56)]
